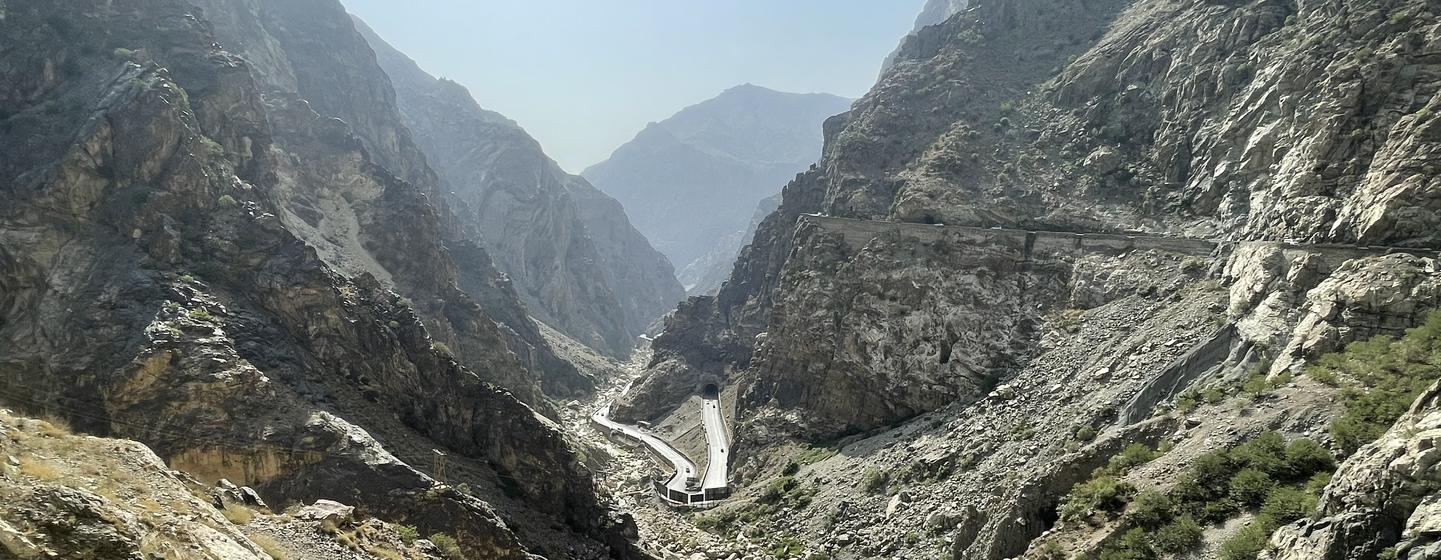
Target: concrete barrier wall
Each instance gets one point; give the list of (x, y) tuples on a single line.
[(1048, 245), (1033, 245)]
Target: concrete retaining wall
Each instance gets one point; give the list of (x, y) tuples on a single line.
[(1047, 245)]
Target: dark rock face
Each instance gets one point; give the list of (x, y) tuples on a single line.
[(1100, 116), (196, 257), (692, 181), (569, 250)]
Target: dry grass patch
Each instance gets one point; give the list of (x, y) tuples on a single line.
[(238, 514), (270, 546), (55, 426), (43, 470)]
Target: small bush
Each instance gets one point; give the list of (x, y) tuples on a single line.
[(1286, 504), (1178, 536), (1247, 543), (442, 347), (238, 514), (201, 314), (1132, 545), (791, 469), (447, 545), (1151, 509), (1304, 457), (1186, 403), (407, 533), (1133, 455), (1266, 453), (226, 201), (1250, 486), (1213, 395), (874, 480), (1101, 494), (1256, 385), (1085, 433)]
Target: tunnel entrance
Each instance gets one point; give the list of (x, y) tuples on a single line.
[(710, 391)]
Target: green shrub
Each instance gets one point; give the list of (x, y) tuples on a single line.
[(1247, 543), (1187, 402), (786, 491), (1266, 453), (1318, 482), (226, 201), (1286, 504), (1380, 377), (791, 469), (1151, 509), (874, 480), (1304, 457), (443, 347), (1178, 536), (201, 314), (407, 533), (1250, 486), (447, 545), (1256, 385), (1132, 545), (1101, 494), (1085, 433), (786, 547), (1052, 551), (1213, 395), (1133, 455)]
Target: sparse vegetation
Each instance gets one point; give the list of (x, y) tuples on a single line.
[(1380, 378), (226, 201), (238, 514), (201, 314), (874, 480), (408, 533), (1102, 494), (43, 470), (1277, 480), (1085, 433), (448, 546), (269, 545), (786, 491)]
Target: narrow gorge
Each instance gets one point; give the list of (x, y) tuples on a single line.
[(1095, 279)]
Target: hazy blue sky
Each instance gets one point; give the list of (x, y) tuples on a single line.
[(583, 76)]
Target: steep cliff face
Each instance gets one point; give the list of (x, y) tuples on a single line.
[(568, 249), (934, 12), (195, 258), (1065, 118), (1265, 149), (693, 180), (386, 227)]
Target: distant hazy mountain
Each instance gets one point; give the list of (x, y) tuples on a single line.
[(573, 257), (692, 183)]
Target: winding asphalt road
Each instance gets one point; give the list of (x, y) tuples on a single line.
[(684, 467), (717, 444)]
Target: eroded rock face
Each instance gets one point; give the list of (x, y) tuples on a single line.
[(163, 281), (569, 249), (1382, 497), (1245, 121)]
